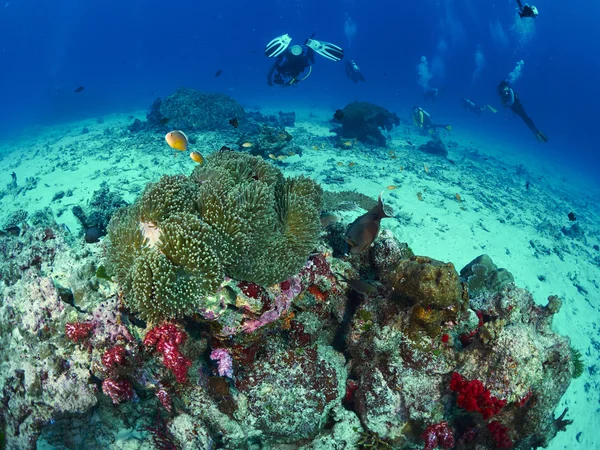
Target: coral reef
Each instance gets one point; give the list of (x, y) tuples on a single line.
[(190, 110), (364, 121), (382, 349)]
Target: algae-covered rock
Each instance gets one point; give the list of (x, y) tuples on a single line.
[(364, 121), (191, 110), (290, 392), (427, 282)]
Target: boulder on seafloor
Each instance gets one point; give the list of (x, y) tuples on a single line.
[(191, 110), (364, 121), (434, 147)]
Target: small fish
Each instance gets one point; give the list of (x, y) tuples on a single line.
[(224, 149), (314, 147), (197, 157), (362, 232), (409, 143), (340, 163), (164, 121), (359, 286), (393, 156), (426, 167), (527, 185), (457, 196), (339, 114), (281, 157), (79, 89), (234, 122), (284, 136), (177, 140), (218, 72), (347, 143), (391, 187), (272, 156), (391, 152), (351, 164), (572, 217), (247, 144), (401, 168), (420, 196)]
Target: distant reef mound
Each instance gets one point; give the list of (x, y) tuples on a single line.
[(191, 110)]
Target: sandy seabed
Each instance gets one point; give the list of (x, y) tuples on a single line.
[(524, 230)]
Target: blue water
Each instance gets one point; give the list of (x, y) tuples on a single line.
[(126, 53)]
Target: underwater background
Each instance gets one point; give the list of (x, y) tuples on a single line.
[(126, 53), (82, 135)]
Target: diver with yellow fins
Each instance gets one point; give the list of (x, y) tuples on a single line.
[(294, 64), (511, 100), (471, 106), (423, 120)]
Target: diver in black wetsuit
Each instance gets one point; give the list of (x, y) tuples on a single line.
[(288, 66), (527, 10), (511, 100)]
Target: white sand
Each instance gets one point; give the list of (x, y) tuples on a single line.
[(497, 215)]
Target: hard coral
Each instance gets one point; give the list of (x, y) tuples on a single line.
[(167, 339), (438, 435), (473, 396)]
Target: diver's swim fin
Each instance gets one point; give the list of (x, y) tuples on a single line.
[(278, 45), (541, 137), (494, 110), (326, 49), (448, 127)]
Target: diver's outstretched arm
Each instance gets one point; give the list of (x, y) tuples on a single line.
[(520, 5)]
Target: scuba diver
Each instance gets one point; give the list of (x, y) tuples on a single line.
[(470, 106), (292, 62), (353, 71), (527, 10), (511, 100), (423, 120)]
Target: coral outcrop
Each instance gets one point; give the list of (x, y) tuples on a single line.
[(364, 121), (191, 110)]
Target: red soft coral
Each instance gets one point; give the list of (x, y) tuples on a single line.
[(167, 339), (114, 356), (118, 390), (500, 434), (473, 396), (438, 435), (79, 331)]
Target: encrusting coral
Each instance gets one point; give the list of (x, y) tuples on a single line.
[(235, 216)]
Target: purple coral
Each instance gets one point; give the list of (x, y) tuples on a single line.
[(224, 361)]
